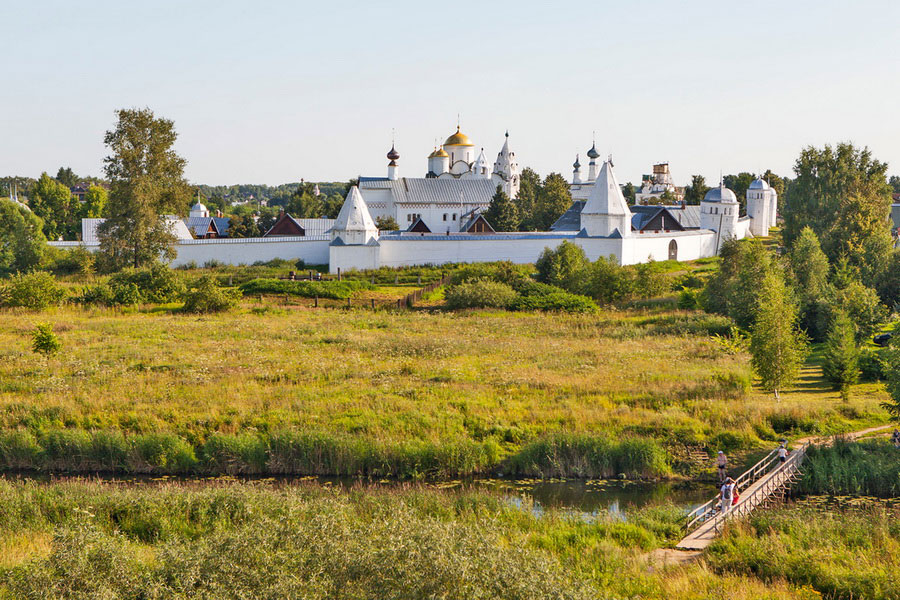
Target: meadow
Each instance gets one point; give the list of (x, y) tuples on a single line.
[(281, 388), (79, 540)]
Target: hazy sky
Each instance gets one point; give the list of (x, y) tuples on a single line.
[(269, 92)]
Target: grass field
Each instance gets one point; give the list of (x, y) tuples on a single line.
[(271, 388), (90, 540)]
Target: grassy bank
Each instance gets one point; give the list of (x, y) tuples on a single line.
[(843, 554), (269, 389), (89, 540)]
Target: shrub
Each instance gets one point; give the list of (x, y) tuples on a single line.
[(558, 300), (506, 272), (872, 365), (689, 299), (607, 281), (43, 340), (77, 261), (337, 290), (35, 290), (480, 293), (100, 294), (156, 283), (563, 267), (650, 281), (208, 296)]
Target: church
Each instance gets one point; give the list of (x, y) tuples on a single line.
[(456, 187)]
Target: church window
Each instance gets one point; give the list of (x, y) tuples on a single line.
[(454, 216), (445, 216)]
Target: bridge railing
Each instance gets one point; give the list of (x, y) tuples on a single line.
[(769, 485), (703, 512)]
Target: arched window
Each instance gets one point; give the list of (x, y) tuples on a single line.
[(673, 250)]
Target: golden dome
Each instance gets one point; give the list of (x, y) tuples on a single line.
[(439, 153), (458, 139)]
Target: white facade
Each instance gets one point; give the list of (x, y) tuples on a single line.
[(606, 213), (654, 186), (762, 204)]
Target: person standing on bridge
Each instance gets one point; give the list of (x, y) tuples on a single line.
[(782, 452), (727, 494), (722, 463)]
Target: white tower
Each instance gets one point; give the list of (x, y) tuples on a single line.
[(354, 224), (592, 165), (605, 211), (438, 162), (576, 174), (506, 170), (759, 204), (480, 168), (393, 168), (199, 209), (719, 212)]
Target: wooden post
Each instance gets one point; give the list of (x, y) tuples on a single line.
[(339, 273), (348, 302), (373, 303), (316, 305)]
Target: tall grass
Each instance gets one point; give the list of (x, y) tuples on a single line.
[(869, 468), (91, 540), (590, 456)]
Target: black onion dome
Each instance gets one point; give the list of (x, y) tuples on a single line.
[(393, 154), (592, 153)]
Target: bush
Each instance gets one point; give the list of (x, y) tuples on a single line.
[(43, 340), (480, 293), (650, 281), (207, 297), (555, 301), (607, 281), (689, 299), (506, 272), (157, 284), (563, 267), (77, 261), (35, 290), (337, 290), (872, 366)]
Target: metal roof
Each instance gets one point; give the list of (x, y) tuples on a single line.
[(429, 190), (571, 219)]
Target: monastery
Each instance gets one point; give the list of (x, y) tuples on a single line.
[(441, 217)]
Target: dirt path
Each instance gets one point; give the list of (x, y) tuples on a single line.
[(853, 435)]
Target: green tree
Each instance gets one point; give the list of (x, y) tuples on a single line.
[(243, 225), (628, 192), (695, 192), (146, 178), (861, 304), (502, 213), (43, 340), (777, 348), (842, 193), (892, 369), (526, 199), (810, 267), (67, 177), (386, 223), (304, 204), (607, 281), (841, 357), (734, 290), (778, 183), (94, 204), (563, 267), (53, 203), (22, 241), (331, 206), (553, 199), (889, 282)]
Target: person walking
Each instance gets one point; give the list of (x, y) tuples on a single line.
[(782, 452), (722, 463), (895, 437), (727, 494)]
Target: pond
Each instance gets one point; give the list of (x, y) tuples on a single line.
[(585, 497)]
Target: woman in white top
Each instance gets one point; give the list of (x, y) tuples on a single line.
[(782, 452)]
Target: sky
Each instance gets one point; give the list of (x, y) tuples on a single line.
[(270, 92)]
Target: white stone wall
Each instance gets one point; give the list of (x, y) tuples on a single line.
[(241, 251)]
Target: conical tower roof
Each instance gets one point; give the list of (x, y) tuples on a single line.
[(606, 196), (354, 215)]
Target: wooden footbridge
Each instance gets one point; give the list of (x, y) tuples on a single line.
[(766, 481)]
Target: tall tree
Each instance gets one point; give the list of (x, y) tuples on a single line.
[(552, 201), (146, 178), (22, 241), (810, 267), (628, 192), (841, 358), (892, 405), (94, 204), (502, 213), (66, 176), (777, 348), (842, 193), (526, 199), (53, 203), (735, 289), (386, 223), (695, 192)]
